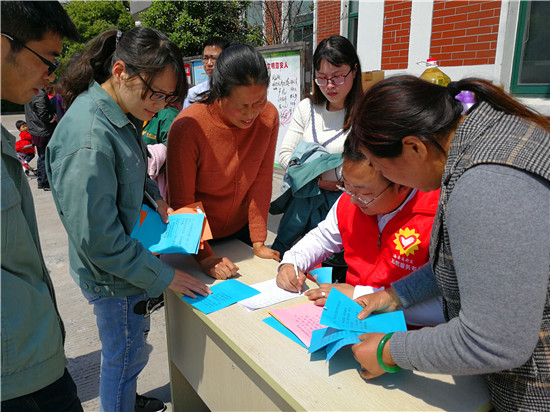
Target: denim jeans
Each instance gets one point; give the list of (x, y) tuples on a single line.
[(41, 168), (123, 354), (59, 396)]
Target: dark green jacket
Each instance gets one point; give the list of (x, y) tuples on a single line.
[(32, 330)]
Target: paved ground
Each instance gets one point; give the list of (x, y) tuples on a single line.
[(82, 345)]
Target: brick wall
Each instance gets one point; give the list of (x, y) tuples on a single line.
[(272, 20), (328, 19), (396, 33), (465, 32)]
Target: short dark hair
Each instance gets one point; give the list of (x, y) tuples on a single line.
[(238, 65), (29, 21), (20, 123), (217, 41), (352, 151)]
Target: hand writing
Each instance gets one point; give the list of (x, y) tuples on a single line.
[(286, 278)]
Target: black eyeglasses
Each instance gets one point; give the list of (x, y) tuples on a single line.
[(157, 96), (52, 66), (336, 80)]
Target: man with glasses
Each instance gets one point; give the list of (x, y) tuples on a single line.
[(34, 376), (384, 229), (212, 48)]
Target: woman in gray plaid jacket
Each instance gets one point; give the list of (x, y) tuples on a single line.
[(490, 243)]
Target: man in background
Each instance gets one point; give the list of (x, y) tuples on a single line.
[(34, 376), (212, 48), (41, 121)]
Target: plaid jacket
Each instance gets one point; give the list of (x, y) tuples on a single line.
[(490, 136)]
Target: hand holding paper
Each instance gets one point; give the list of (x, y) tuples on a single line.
[(164, 210), (198, 208), (341, 313), (181, 235), (385, 300), (365, 352)]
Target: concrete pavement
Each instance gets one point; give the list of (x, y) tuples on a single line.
[(82, 345)]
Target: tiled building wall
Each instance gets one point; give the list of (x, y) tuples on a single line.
[(328, 19), (395, 37), (465, 32)]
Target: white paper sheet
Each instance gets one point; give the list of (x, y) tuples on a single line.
[(270, 294)]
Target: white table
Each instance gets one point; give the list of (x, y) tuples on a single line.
[(231, 360)]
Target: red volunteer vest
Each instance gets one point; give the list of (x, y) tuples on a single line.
[(378, 259)]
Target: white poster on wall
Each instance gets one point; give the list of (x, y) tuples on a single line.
[(284, 88)]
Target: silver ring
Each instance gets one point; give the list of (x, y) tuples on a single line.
[(323, 294)]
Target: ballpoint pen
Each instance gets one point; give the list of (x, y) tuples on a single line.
[(295, 268)]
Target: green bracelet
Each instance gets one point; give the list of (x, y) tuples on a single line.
[(379, 352)]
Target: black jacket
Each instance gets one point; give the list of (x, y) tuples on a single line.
[(39, 115)]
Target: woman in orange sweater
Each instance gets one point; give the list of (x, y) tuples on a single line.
[(221, 152)]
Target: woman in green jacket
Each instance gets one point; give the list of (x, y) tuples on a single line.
[(97, 166)]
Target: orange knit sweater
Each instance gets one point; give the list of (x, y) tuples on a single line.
[(227, 168)]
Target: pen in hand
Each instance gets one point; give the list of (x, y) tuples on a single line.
[(296, 270)]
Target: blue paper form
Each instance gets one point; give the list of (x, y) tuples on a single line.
[(181, 235), (322, 275), (334, 347), (341, 313), (223, 294), (322, 337), (279, 327)]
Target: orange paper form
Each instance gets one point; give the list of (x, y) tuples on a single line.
[(301, 319)]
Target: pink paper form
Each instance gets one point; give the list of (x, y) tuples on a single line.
[(301, 319)]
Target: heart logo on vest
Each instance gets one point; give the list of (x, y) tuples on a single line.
[(407, 241)]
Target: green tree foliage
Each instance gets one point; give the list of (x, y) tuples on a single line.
[(189, 23), (92, 18)]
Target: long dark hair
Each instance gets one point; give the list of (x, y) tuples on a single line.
[(338, 50), (405, 105), (144, 50), (237, 65)]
